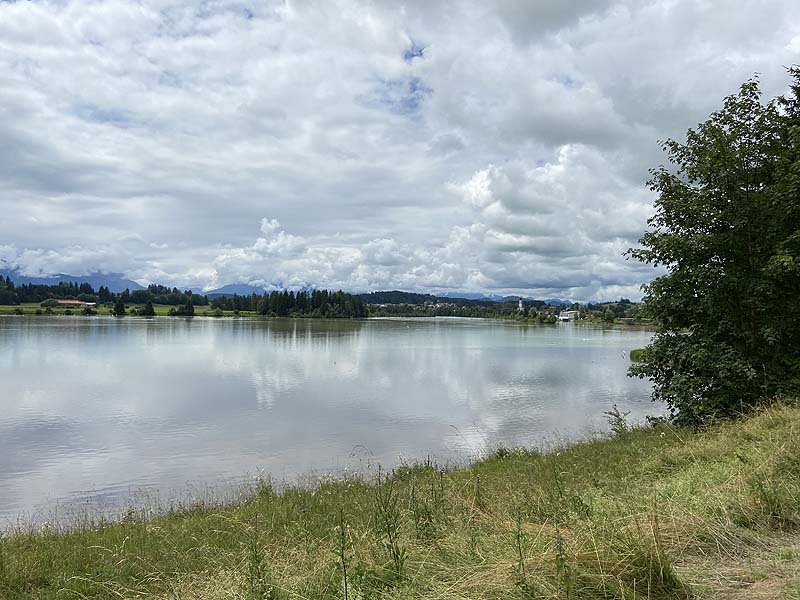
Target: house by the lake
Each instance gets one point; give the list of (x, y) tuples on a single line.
[(568, 315), (74, 303)]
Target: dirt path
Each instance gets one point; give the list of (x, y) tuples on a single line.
[(770, 571)]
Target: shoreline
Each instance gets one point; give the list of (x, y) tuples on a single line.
[(659, 509), (233, 490), (161, 311)]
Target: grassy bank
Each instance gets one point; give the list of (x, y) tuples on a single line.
[(652, 513)]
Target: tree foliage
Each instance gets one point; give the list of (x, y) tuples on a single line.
[(119, 308), (63, 290), (187, 310), (148, 310), (727, 231)]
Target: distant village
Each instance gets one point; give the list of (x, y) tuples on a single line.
[(541, 311)]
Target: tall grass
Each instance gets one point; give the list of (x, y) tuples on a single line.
[(627, 517)]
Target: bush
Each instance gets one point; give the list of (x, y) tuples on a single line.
[(726, 232), (618, 421)]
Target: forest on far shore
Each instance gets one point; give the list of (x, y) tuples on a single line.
[(286, 303)]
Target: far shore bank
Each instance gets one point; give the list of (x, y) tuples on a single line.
[(163, 310)]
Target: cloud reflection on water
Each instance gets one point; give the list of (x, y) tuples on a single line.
[(103, 406)]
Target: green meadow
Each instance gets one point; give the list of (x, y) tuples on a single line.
[(34, 308)]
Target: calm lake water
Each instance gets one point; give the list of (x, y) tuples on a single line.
[(93, 410)]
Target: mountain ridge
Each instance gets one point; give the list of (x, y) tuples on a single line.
[(115, 282)]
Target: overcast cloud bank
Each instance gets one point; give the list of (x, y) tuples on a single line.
[(481, 146)]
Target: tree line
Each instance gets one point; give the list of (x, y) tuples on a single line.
[(11, 293), (316, 303), (537, 311), (486, 309)]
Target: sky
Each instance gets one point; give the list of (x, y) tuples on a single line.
[(499, 147)]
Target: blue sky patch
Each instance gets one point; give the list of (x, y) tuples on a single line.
[(168, 78), (413, 51), (98, 114), (399, 96), (567, 81)]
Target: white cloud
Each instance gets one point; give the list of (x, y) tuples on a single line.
[(497, 146)]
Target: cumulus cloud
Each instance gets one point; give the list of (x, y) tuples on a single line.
[(483, 146)]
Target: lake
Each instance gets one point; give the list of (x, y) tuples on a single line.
[(96, 409)]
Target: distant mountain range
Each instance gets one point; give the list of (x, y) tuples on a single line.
[(464, 299), (471, 296), (115, 282), (557, 302), (241, 289), (497, 298)]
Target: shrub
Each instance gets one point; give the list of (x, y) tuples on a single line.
[(725, 230)]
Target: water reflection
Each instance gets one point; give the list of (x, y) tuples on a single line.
[(103, 406)]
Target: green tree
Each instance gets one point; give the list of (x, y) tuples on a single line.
[(727, 232), (187, 310), (7, 296), (148, 310), (119, 308)]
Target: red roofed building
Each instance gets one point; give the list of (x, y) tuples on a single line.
[(74, 303)]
